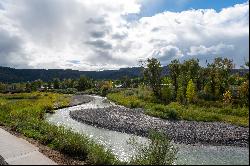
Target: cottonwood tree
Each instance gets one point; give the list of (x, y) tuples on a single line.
[(152, 74), (191, 93), (174, 71), (84, 83), (218, 74)]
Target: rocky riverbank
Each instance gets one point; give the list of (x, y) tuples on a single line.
[(134, 121)]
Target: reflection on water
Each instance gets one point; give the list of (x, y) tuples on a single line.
[(117, 141)]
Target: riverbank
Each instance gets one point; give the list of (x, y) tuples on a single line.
[(79, 99), (25, 113), (56, 156), (134, 121)]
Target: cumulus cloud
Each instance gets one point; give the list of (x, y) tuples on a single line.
[(166, 54), (96, 34)]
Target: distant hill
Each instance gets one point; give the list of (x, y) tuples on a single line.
[(11, 75)]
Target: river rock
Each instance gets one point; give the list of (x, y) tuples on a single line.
[(134, 121)]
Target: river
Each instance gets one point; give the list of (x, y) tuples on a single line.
[(117, 141)]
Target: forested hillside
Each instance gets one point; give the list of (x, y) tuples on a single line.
[(11, 75)]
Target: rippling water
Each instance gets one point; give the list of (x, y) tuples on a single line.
[(117, 141)]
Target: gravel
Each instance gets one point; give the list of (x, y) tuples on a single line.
[(134, 121), (80, 99)]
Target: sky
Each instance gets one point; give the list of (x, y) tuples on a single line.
[(112, 34)]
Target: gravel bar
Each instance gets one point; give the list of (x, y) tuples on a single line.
[(134, 121), (80, 99)]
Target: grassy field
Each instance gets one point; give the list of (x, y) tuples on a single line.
[(25, 112), (209, 111)]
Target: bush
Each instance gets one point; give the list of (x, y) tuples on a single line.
[(206, 96), (135, 104), (158, 108), (144, 93), (160, 151), (209, 104), (128, 92), (172, 114), (162, 111), (227, 97)]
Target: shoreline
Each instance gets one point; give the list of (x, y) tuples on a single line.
[(134, 121)]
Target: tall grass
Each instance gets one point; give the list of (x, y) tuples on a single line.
[(159, 151)]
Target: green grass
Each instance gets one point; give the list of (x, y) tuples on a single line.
[(208, 112), (24, 113), (159, 151)]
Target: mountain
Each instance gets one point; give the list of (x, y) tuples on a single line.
[(11, 75)]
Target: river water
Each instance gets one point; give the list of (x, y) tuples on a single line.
[(117, 141)]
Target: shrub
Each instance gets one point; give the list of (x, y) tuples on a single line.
[(160, 151), (144, 93), (135, 104), (162, 111), (227, 97), (158, 108), (128, 92), (167, 93), (172, 114), (206, 96)]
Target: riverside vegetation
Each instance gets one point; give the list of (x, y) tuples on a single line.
[(188, 92), (25, 113), (191, 92)]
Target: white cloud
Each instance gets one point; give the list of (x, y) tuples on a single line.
[(96, 35), (166, 54), (213, 50)]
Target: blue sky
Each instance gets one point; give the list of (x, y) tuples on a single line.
[(152, 7)]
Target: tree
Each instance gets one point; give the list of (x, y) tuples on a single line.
[(28, 87), (152, 74), (244, 92), (167, 90), (56, 83), (190, 69), (106, 86), (84, 83), (191, 93), (174, 72), (180, 94), (3, 87), (126, 82), (218, 75)]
